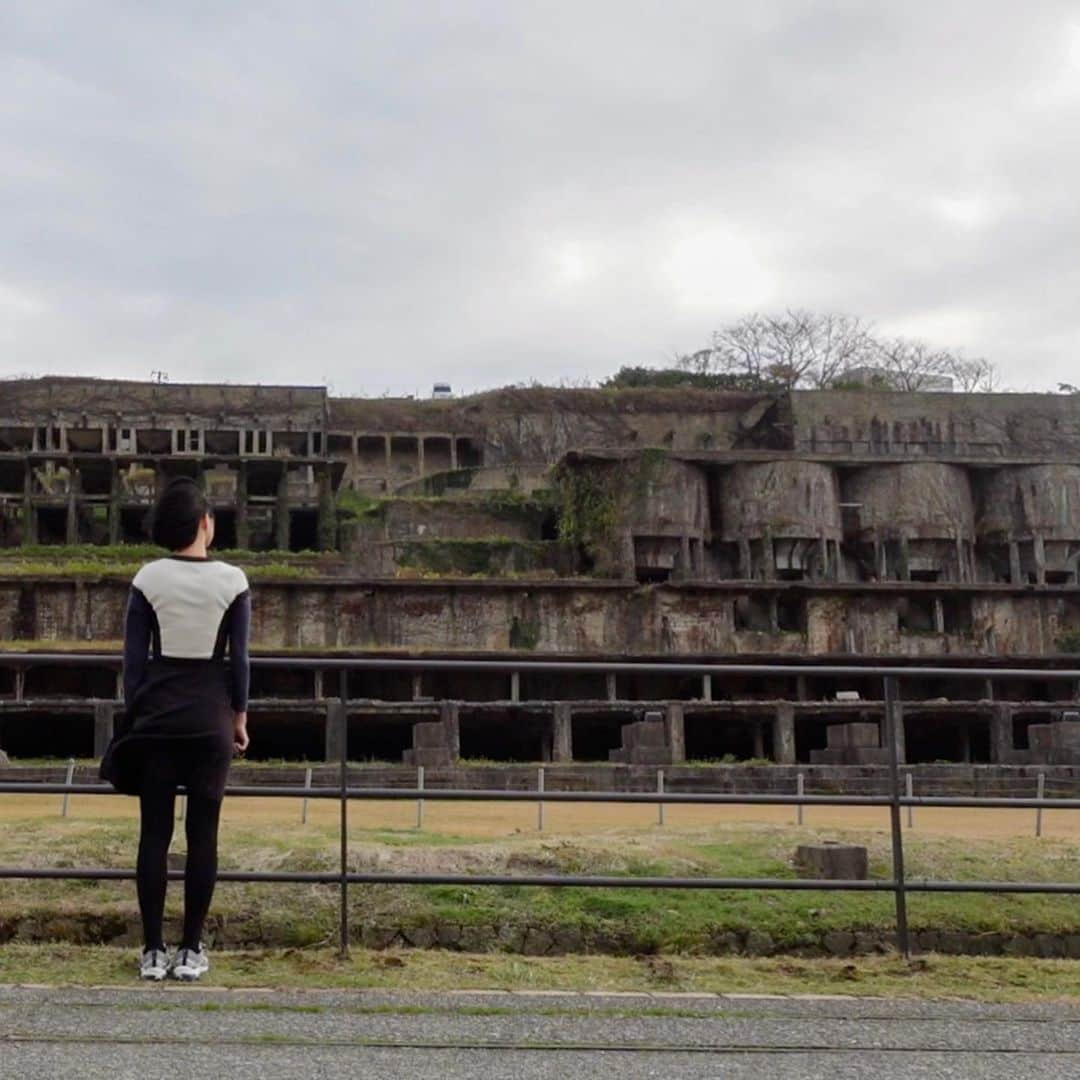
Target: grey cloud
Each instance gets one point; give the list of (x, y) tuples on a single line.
[(383, 195)]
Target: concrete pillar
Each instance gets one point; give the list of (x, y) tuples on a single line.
[(335, 742), (515, 685), (243, 530), (939, 615), (965, 743), (114, 502), (1014, 562), (768, 555), (901, 733), (453, 451), (448, 715), (387, 440), (30, 530), (746, 563), (420, 453), (905, 560), (417, 685), (281, 512), (611, 686), (103, 726), (326, 523), (1001, 733), (1038, 554), (562, 732), (686, 568), (675, 731), (759, 740), (784, 734)]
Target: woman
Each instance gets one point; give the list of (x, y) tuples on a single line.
[(185, 714)]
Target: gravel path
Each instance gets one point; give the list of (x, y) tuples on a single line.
[(169, 1030)]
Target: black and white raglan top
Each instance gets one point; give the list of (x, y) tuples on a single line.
[(188, 607)]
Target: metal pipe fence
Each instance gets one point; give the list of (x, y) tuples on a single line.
[(896, 798)]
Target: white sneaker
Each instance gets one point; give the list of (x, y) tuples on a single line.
[(189, 964), (154, 965)]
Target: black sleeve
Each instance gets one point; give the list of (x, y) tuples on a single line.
[(238, 623), (138, 630)]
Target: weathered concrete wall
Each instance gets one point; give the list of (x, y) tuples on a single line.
[(570, 617), (779, 499), (70, 399), (672, 500), (427, 519), (1045, 426), (930, 501), (1037, 500)]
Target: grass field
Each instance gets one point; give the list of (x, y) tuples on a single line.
[(261, 834), (493, 820)]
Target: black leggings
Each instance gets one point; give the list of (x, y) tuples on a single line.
[(157, 806)]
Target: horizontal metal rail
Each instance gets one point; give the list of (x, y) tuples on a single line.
[(710, 798), (548, 881), (345, 793), (579, 667)]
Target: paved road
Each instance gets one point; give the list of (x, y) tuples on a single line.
[(174, 1031)]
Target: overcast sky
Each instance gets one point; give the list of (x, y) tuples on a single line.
[(381, 195)]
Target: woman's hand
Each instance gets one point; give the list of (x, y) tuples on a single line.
[(240, 734)]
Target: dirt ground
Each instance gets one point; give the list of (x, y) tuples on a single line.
[(507, 819)]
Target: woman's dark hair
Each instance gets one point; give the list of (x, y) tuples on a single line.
[(177, 513)]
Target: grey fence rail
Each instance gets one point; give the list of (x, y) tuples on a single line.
[(896, 799)]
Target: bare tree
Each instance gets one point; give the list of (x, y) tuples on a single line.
[(975, 375), (795, 348), (800, 348)]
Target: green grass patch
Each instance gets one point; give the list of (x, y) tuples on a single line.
[(633, 920)]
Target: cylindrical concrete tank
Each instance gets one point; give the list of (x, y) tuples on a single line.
[(779, 499), (925, 501), (1031, 500)]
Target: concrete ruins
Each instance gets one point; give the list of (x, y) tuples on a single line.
[(654, 524)]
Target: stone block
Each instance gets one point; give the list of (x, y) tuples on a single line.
[(828, 757), (428, 735), (1065, 735), (839, 942), (1040, 738), (854, 734), (868, 755), (833, 861)]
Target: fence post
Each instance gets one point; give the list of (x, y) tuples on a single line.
[(800, 790), (343, 951), (67, 780), (893, 719), (660, 791), (307, 787), (419, 802), (540, 803), (1040, 793), (909, 791)]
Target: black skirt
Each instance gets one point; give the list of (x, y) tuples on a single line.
[(182, 707)]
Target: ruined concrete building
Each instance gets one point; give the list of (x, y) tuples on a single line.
[(859, 525)]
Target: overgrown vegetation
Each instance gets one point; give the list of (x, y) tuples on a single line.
[(594, 497), (494, 556), (1069, 641)]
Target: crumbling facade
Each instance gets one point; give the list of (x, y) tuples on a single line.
[(858, 524)]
